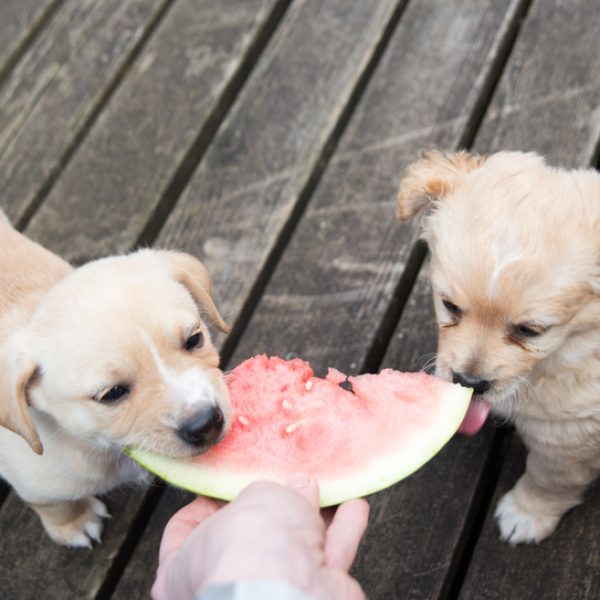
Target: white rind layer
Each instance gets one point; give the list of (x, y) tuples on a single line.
[(381, 472)]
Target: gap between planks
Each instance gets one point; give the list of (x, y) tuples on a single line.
[(478, 510), (81, 134), (35, 30)]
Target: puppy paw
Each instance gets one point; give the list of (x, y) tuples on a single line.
[(523, 525), (75, 524)]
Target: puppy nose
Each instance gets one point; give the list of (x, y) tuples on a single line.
[(467, 380), (203, 428)]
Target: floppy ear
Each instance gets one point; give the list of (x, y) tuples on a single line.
[(16, 373), (432, 176), (191, 273)]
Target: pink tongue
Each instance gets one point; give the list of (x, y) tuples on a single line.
[(475, 418)]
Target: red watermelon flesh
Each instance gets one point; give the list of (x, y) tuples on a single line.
[(284, 419)]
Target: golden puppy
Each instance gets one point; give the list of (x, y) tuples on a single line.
[(92, 360), (515, 273)]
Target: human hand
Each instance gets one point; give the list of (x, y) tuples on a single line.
[(270, 532)]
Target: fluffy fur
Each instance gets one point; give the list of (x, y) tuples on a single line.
[(515, 250), (67, 337)]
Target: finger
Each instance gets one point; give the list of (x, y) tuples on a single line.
[(306, 486), (344, 534), (183, 522)]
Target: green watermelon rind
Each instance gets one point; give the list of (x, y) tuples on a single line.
[(380, 473)]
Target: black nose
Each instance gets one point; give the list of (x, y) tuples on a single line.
[(467, 380), (203, 428)]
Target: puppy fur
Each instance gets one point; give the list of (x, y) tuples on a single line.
[(515, 272), (67, 337)]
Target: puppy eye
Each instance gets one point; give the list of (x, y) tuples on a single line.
[(116, 392), (452, 308), (194, 341), (525, 331)]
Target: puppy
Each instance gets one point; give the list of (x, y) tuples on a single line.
[(94, 359), (515, 272)]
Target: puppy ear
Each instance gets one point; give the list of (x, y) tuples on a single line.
[(191, 273), (432, 176), (16, 374)]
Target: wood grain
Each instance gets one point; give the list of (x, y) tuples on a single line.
[(168, 100), (339, 272), (259, 163), (61, 572), (58, 86), (34, 567), (547, 100), (562, 567), (20, 20), (139, 574)]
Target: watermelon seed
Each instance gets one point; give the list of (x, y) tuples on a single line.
[(291, 428), (308, 385), (243, 420), (286, 404)]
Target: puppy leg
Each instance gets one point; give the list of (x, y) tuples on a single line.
[(531, 511), (74, 523)]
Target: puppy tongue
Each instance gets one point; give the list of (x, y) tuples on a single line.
[(475, 418)]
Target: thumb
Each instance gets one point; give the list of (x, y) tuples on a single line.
[(306, 486)]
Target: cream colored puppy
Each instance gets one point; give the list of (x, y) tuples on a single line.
[(515, 250), (92, 360)]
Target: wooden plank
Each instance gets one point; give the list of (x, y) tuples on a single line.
[(20, 20), (338, 275), (307, 309), (170, 102), (259, 162), (547, 101), (60, 572), (33, 567), (415, 527), (139, 574), (548, 98), (562, 567), (58, 87), (496, 573)]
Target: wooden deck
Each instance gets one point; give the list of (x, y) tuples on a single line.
[(267, 138)]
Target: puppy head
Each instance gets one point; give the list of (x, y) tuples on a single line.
[(515, 269), (119, 354)]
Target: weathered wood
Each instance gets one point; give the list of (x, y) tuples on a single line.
[(19, 22), (547, 101), (54, 92), (334, 282), (259, 163), (425, 35), (497, 572), (337, 276), (563, 567), (60, 572), (138, 577), (33, 567), (548, 97), (172, 97)]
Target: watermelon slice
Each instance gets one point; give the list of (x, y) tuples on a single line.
[(284, 419)]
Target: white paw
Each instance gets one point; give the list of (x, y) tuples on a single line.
[(82, 530), (521, 526)]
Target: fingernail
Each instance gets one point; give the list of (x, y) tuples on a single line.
[(298, 481)]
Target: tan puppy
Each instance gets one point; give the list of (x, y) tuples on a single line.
[(92, 360), (515, 250)]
